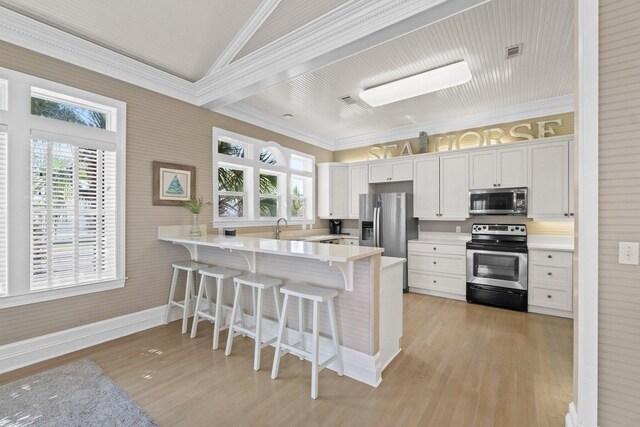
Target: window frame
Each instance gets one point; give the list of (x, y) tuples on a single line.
[(254, 167), (21, 126)]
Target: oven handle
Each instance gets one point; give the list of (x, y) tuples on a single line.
[(477, 251), (497, 290)]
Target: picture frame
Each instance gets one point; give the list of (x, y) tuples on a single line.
[(173, 184)]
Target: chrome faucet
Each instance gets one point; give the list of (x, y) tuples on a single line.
[(286, 224)]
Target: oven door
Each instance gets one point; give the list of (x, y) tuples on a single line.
[(497, 268)]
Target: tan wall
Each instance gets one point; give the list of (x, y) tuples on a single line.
[(619, 285), (158, 128), (362, 153)]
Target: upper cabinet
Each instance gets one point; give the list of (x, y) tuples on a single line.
[(390, 171), (503, 167), (333, 190), (441, 187), (358, 184), (550, 189)]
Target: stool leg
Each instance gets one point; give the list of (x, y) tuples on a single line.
[(207, 294), (301, 325), (234, 310), (314, 353), (194, 325), (218, 315), (172, 292), (187, 302), (334, 335), (258, 347), (281, 328)]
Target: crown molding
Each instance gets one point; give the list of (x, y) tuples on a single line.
[(30, 34), (539, 108), (346, 30), (247, 31), (258, 118)]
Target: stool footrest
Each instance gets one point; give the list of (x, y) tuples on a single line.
[(295, 349), (327, 362)]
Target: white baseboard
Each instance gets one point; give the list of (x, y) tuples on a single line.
[(550, 311), (357, 365), (571, 419), (439, 294)]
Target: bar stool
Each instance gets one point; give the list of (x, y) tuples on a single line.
[(220, 274), (259, 282), (191, 267), (316, 294)]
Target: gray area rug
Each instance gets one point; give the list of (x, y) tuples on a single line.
[(77, 394)]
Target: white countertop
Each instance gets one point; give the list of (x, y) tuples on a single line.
[(534, 241), (442, 238), (294, 248), (325, 237), (390, 261)]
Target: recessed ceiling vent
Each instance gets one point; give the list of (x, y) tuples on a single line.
[(513, 51), (347, 99)]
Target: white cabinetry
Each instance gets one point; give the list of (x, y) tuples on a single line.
[(441, 187), (358, 184), (551, 282), (503, 167), (437, 269), (390, 171), (333, 190), (390, 309), (550, 189)]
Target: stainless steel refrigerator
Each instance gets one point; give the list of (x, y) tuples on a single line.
[(386, 222)]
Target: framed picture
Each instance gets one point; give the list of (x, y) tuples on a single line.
[(173, 184)]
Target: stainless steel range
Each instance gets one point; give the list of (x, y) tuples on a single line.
[(497, 265)]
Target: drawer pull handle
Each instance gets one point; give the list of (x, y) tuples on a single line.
[(434, 249), (435, 281), (549, 274), (549, 256), (434, 262), (549, 296)]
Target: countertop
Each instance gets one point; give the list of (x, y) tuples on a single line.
[(390, 261), (325, 237), (293, 248), (534, 241)]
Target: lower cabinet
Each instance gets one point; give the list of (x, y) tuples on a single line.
[(436, 269), (350, 241), (551, 282)]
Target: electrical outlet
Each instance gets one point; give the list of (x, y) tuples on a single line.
[(629, 253), (458, 228)]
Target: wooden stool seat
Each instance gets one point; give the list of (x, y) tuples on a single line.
[(216, 315), (304, 291), (257, 282), (191, 268)]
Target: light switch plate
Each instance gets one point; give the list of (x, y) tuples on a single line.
[(629, 253)]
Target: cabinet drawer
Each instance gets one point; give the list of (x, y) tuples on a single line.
[(437, 282), (562, 259), (353, 242), (438, 249), (559, 299), (438, 263), (551, 275)]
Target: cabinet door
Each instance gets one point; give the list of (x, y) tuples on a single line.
[(454, 187), (324, 191), (339, 196), (358, 184), (483, 169), (426, 188), (549, 181), (401, 170), (379, 172), (512, 167)]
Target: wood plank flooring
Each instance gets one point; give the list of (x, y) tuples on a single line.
[(461, 365)]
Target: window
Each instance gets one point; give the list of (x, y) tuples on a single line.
[(66, 221), (255, 181)]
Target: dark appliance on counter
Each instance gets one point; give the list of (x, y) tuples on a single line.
[(335, 226), (498, 201), (497, 266), (386, 221)]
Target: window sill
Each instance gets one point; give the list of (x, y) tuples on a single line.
[(59, 293)]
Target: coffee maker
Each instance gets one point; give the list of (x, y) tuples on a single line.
[(335, 226)]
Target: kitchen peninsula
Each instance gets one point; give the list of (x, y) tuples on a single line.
[(355, 271)]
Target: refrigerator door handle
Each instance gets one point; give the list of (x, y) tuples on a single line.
[(376, 227)]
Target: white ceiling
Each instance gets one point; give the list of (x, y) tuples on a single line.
[(295, 56)]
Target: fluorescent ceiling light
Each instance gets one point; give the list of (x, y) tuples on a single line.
[(418, 84)]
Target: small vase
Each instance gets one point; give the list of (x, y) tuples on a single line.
[(195, 227)]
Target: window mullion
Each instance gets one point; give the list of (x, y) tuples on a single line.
[(49, 215), (76, 214), (99, 219)]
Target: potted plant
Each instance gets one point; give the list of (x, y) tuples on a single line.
[(195, 205)]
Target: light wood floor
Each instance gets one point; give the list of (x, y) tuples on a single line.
[(461, 365)]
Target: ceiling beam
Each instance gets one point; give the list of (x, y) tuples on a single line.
[(246, 32), (351, 28)]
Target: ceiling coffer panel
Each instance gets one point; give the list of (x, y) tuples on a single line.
[(543, 69), (182, 38)]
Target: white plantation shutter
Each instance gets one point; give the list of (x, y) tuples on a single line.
[(3, 210), (73, 212)]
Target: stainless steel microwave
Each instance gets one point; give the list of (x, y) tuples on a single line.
[(498, 201)]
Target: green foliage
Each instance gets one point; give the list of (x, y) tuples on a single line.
[(196, 204), (68, 113)]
